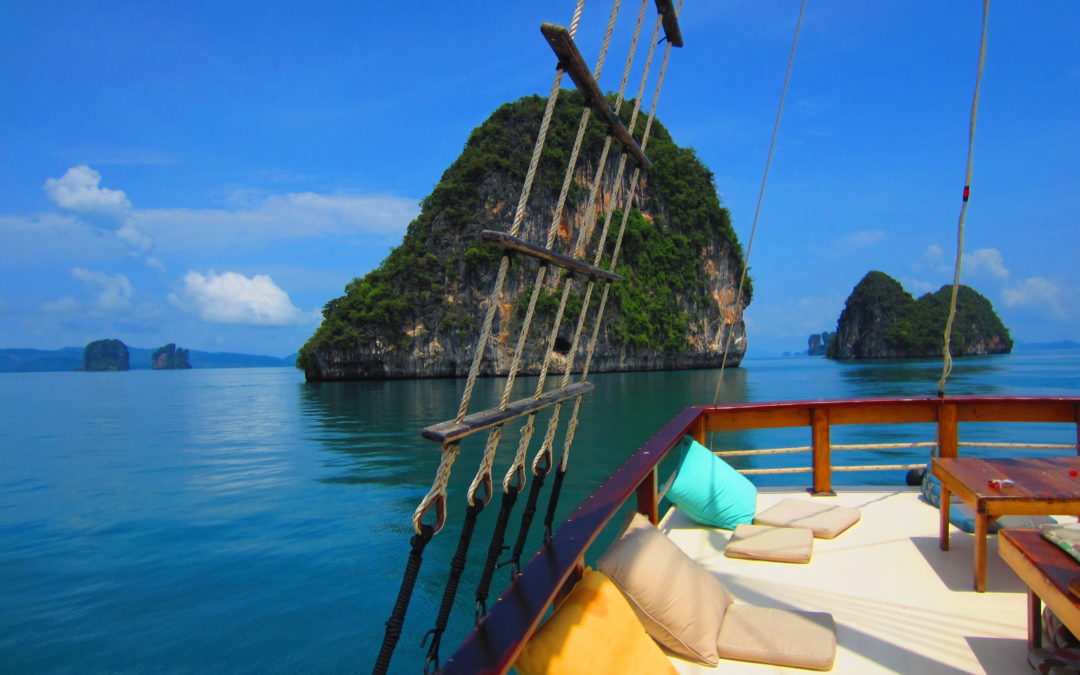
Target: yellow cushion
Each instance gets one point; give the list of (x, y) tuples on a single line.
[(594, 630)]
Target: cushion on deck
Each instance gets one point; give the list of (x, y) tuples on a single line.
[(778, 544), (593, 630), (680, 604), (963, 517), (708, 490), (1055, 661), (778, 637), (826, 520)]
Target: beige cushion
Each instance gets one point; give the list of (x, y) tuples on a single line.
[(681, 605), (778, 637), (825, 519), (779, 544)]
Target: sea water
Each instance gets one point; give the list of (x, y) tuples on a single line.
[(242, 520)]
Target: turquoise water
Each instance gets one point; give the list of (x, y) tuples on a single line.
[(243, 520)]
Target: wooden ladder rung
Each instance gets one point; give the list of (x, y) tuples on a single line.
[(571, 61), (670, 21), (448, 432), (513, 243)]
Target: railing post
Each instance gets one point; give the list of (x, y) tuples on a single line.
[(946, 430), (1076, 418), (819, 420), (647, 503)]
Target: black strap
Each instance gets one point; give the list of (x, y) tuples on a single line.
[(526, 523), (408, 580), (509, 498), (553, 501), (457, 566)]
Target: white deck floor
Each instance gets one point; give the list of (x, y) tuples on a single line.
[(900, 603)]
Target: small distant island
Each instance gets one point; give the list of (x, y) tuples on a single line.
[(114, 355), (881, 320), (170, 358)]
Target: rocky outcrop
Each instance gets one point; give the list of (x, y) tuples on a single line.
[(881, 321), (102, 355), (419, 313), (818, 343), (170, 358)]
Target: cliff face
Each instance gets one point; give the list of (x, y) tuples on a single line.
[(170, 358), (419, 313), (881, 320), (104, 355)]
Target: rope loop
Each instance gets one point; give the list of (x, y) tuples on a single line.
[(436, 499), (485, 483)]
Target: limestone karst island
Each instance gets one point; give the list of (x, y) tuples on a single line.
[(416, 314), (881, 320)]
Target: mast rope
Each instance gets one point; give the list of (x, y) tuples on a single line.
[(947, 365), (457, 567), (514, 480), (408, 581), (542, 460), (760, 199)]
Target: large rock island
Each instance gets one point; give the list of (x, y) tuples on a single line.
[(105, 355), (883, 321), (419, 313)]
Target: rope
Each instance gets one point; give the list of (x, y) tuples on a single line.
[(761, 198), (457, 567), (436, 496), (397, 616), (808, 448), (516, 470), (526, 522), (553, 501), (946, 368), (584, 236), (494, 549), (483, 474), (1034, 446), (853, 467)]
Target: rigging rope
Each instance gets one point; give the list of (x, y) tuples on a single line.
[(946, 368), (437, 494), (514, 480), (397, 616), (761, 198)]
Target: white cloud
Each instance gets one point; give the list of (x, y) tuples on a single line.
[(987, 261), (233, 298), (153, 263), (1037, 293), (114, 292), (862, 238), (129, 232), (79, 189), (64, 305), (289, 216)]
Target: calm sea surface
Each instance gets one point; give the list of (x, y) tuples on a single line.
[(209, 521)]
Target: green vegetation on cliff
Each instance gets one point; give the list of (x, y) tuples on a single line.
[(441, 250), (882, 320)]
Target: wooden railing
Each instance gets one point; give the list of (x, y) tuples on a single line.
[(495, 643)]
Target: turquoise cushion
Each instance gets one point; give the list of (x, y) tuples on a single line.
[(964, 518), (708, 490)]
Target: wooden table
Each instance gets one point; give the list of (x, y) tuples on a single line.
[(1042, 486), (1047, 571)]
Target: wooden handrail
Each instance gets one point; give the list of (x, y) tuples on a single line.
[(496, 642)]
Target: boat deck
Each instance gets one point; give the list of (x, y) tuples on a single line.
[(900, 603)]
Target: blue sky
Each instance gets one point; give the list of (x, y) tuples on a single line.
[(211, 174)]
